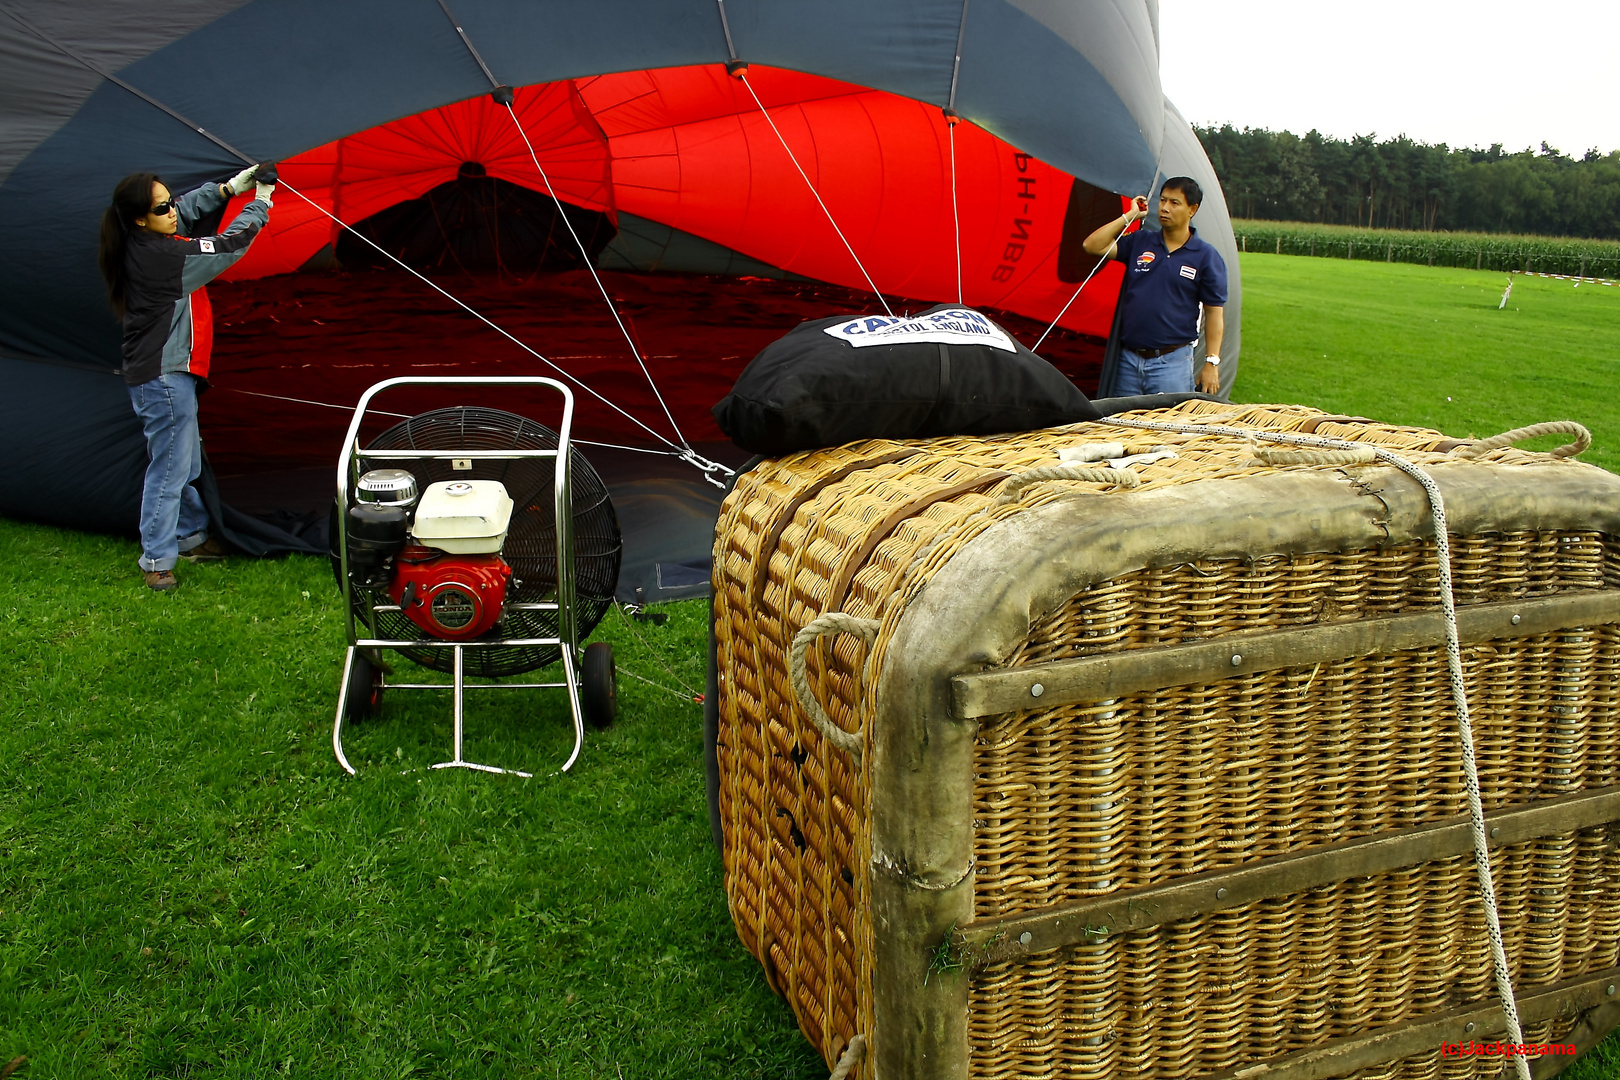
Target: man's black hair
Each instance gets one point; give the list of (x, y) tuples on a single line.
[(1187, 186)]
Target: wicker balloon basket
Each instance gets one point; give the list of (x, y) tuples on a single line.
[(1162, 774)]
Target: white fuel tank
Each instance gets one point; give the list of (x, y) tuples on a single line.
[(465, 517)]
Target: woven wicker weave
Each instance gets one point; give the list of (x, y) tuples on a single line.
[(937, 892)]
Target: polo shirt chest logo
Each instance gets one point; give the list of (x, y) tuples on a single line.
[(1189, 272), (1144, 262)]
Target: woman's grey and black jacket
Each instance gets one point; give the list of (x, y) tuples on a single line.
[(168, 322)]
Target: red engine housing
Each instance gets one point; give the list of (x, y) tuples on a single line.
[(457, 597)]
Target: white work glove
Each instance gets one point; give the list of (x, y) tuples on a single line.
[(242, 182), (262, 193)]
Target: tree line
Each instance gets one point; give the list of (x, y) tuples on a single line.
[(1401, 184)]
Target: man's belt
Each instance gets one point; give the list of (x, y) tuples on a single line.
[(1152, 354)]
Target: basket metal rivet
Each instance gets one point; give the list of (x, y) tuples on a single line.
[(1237, 659), (1037, 690), (1609, 989), (1220, 894), (1516, 619), (1026, 937), (1496, 833), (1469, 1027)]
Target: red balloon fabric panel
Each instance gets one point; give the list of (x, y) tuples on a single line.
[(690, 148)]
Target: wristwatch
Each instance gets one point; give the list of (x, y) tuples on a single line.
[(1213, 359)]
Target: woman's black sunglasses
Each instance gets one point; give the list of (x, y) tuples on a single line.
[(162, 209)]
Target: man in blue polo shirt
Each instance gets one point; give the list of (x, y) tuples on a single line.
[(1168, 274)]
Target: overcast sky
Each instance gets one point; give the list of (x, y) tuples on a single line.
[(1466, 74)]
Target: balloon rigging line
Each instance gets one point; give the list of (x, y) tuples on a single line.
[(306, 401), (467, 41), (956, 66), (1158, 168), (585, 256), (407, 416), (742, 76), (725, 25), (463, 305), (1056, 318), (116, 81), (956, 215), (504, 95), (686, 453), (950, 124)]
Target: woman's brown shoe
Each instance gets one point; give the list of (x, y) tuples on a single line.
[(161, 580)]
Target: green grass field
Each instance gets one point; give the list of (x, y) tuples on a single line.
[(190, 887), (1427, 346)]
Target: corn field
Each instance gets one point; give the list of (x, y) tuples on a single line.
[(1472, 251)]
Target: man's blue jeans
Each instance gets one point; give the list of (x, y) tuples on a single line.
[(1171, 373), (172, 515)]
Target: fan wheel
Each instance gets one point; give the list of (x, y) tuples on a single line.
[(364, 694), (599, 685)]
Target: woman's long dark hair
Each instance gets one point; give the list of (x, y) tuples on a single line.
[(132, 199)]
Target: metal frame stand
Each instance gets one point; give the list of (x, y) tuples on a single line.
[(567, 639)]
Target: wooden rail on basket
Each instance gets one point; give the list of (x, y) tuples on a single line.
[(1112, 675), (1216, 890), (1482, 1024)]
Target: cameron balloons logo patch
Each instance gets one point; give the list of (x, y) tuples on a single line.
[(948, 326), (1144, 261)]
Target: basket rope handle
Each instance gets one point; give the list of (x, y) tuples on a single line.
[(852, 1055), (834, 622), (1583, 439), (1015, 486)]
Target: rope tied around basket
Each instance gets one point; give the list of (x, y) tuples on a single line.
[(1583, 439), (1459, 693), (1014, 487), (851, 1057), (833, 622)]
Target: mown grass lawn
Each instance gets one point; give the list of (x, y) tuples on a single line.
[(1428, 346), (189, 886)]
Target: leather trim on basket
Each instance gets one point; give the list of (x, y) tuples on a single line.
[(1311, 424), (762, 568), (880, 532)]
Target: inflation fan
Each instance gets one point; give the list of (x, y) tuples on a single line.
[(475, 542)]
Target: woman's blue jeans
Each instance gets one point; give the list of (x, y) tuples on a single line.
[(172, 515), (1171, 373)]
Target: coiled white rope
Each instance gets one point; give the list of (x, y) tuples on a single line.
[(1459, 692)]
